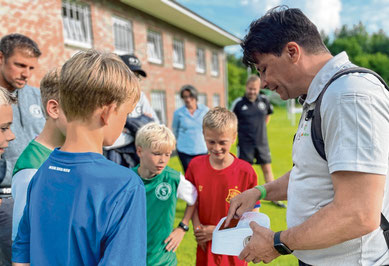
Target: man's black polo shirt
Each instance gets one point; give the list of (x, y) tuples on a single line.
[(252, 120)]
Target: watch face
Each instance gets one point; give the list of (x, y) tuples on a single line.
[(282, 249)]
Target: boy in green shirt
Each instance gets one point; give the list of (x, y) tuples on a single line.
[(154, 145), (39, 149)]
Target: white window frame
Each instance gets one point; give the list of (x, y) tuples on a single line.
[(154, 47), (215, 100), (77, 31), (202, 98), (200, 60), (215, 64), (178, 54), (178, 100), (158, 102), (123, 36)]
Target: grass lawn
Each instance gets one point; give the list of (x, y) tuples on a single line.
[(280, 133)]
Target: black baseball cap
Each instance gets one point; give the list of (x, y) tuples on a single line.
[(133, 63)]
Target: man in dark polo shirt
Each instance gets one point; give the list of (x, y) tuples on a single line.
[(253, 111)]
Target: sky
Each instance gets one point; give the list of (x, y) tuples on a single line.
[(235, 16)]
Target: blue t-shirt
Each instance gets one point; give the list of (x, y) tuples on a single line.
[(82, 209), (188, 130)]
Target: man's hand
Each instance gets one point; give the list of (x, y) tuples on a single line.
[(174, 239), (242, 203), (204, 233), (261, 246)]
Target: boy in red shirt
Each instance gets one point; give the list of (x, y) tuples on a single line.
[(218, 177)]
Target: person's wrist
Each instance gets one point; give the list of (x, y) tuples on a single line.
[(183, 226), (262, 190)]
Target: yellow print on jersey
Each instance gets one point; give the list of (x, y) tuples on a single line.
[(232, 193)]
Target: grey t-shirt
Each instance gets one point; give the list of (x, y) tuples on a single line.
[(355, 115)]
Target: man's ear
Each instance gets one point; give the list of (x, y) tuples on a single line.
[(293, 51), (52, 108), (106, 112)]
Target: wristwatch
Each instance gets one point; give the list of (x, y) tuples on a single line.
[(183, 226), (279, 246)]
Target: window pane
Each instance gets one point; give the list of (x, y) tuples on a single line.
[(154, 47), (76, 24), (178, 54), (158, 102), (200, 54), (123, 36)]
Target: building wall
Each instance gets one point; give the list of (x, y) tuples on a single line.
[(42, 21)]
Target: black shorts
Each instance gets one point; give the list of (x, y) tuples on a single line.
[(249, 152)]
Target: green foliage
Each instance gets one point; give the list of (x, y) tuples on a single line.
[(364, 49), (237, 76), (280, 134)]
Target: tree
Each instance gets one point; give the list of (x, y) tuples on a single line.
[(237, 75)]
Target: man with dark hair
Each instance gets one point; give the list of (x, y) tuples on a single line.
[(18, 59), (334, 202)]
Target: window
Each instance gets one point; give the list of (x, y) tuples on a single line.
[(202, 98), (123, 38), (200, 64), (154, 47), (178, 54), (216, 100), (178, 101), (215, 64), (158, 102), (76, 24)]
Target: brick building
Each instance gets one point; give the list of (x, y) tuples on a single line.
[(175, 45)]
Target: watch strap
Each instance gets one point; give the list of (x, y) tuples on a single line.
[(279, 246), (183, 226)]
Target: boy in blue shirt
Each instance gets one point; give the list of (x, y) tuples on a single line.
[(154, 145), (83, 209)]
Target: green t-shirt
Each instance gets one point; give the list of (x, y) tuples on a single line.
[(32, 157), (161, 199)]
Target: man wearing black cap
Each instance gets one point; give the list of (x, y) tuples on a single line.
[(143, 106)]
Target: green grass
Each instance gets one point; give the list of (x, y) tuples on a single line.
[(280, 133)]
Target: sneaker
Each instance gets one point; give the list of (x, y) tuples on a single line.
[(279, 203)]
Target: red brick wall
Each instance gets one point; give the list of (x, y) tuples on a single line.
[(41, 20)]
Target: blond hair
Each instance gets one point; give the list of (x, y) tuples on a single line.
[(252, 78), (220, 119), (92, 79), (49, 87), (6, 98), (155, 137)]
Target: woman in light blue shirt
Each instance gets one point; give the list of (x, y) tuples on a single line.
[(188, 126)]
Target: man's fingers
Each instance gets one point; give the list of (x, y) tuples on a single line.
[(231, 212), (243, 254), (254, 226)]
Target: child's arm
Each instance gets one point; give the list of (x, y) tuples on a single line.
[(20, 264), (175, 238), (187, 192), (196, 228)]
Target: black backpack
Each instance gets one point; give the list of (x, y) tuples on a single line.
[(316, 133)]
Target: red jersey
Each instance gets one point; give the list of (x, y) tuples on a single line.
[(215, 190)]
